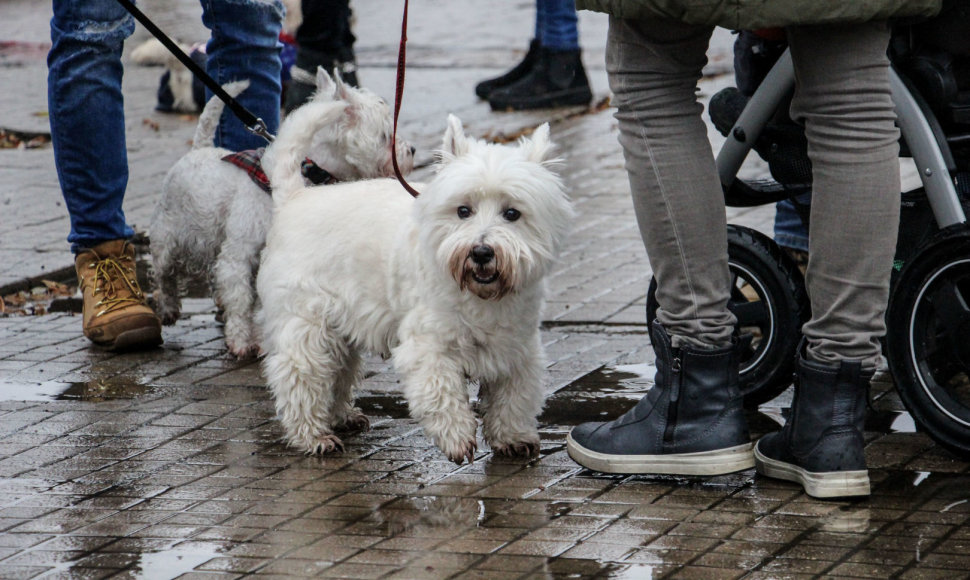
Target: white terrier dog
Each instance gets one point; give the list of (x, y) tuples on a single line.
[(450, 285), (213, 218)]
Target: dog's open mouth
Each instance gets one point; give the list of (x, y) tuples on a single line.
[(485, 278)]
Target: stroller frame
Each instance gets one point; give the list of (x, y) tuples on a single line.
[(917, 124)]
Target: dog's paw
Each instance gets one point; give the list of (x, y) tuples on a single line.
[(325, 444), (355, 421), (169, 318), (520, 449), (243, 350), (459, 451)]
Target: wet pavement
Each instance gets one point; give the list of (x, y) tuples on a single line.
[(168, 464)]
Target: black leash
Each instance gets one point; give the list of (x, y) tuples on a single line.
[(251, 121)]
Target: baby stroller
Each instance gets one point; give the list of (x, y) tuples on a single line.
[(927, 345)]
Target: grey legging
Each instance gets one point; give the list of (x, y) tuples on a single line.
[(842, 98)]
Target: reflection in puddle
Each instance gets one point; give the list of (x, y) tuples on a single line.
[(903, 423), (393, 406), (95, 390), (950, 506), (847, 519), (414, 514), (634, 572), (634, 375), (890, 421), (172, 563)]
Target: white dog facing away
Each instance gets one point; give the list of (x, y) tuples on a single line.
[(212, 217), (449, 284)]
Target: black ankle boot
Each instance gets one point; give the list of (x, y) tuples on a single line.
[(690, 423), (558, 79), (822, 445), (485, 88)]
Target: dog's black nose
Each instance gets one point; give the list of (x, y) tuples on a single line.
[(482, 254), (413, 150)]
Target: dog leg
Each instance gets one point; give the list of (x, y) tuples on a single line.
[(347, 416), (168, 306), (302, 365), (234, 284), (510, 406), (437, 394)]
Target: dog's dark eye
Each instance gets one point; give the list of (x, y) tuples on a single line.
[(511, 214), (464, 212)]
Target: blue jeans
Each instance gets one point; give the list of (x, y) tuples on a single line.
[(87, 108), (556, 24), (245, 44), (790, 230)]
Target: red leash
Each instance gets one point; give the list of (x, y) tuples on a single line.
[(398, 93)]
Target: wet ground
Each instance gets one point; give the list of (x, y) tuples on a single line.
[(168, 464)]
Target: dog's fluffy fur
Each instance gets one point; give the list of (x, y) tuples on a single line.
[(450, 285), (212, 217)]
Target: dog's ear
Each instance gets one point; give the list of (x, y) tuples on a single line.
[(455, 143), (326, 86), (538, 147)]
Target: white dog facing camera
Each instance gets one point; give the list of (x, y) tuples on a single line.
[(449, 285)]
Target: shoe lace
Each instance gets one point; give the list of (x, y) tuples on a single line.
[(108, 272)]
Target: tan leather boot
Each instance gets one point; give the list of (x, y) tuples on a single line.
[(115, 313)]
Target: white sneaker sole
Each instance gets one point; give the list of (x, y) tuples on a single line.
[(716, 462), (817, 484)]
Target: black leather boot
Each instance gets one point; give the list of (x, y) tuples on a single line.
[(485, 88), (558, 79), (822, 445), (690, 423)]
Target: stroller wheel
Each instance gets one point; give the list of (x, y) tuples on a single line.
[(928, 337), (768, 298)]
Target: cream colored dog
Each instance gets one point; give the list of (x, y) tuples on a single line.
[(212, 218), (449, 285)]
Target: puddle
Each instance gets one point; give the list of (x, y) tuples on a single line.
[(604, 393), (890, 422), (172, 563), (91, 391), (393, 406), (634, 572), (412, 515), (846, 519)]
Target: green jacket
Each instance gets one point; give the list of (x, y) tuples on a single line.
[(755, 14)]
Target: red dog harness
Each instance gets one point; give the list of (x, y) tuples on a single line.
[(249, 161)]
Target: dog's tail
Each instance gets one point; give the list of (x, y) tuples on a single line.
[(282, 160), (205, 131)]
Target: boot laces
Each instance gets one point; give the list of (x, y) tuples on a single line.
[(111, 279)]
